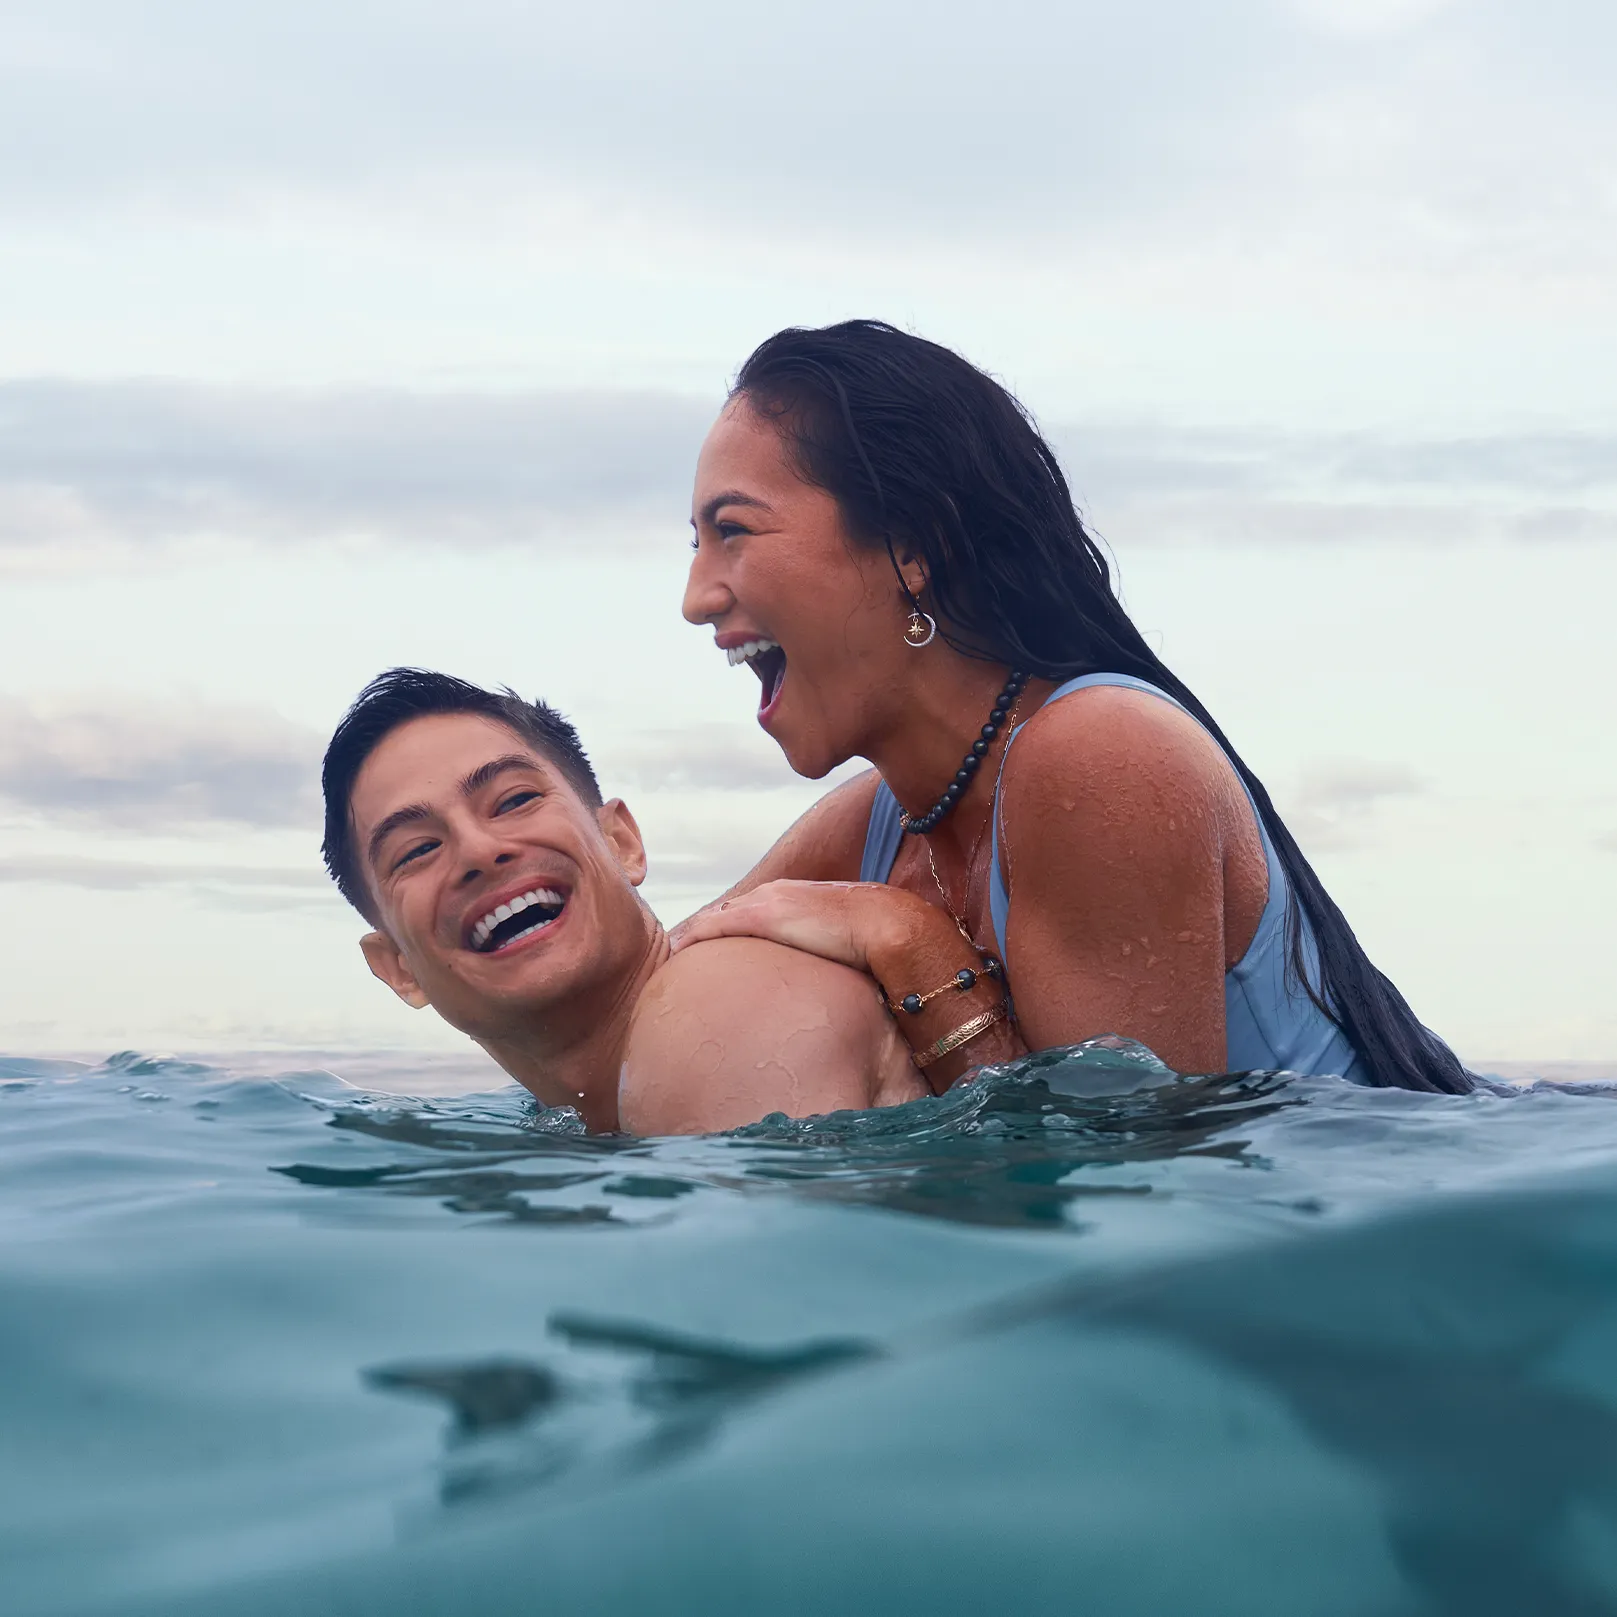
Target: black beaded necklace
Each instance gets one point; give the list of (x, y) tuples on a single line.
[(922, 823)]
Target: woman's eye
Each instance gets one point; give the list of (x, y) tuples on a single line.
[(729, 530), (516, 800)]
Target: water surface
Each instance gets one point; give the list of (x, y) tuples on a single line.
[(1078, 1336)]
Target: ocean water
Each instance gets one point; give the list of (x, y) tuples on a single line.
[(1080, 1336)]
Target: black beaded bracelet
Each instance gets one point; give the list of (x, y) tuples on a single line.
[(962, 982)]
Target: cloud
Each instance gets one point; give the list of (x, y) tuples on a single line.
[(1354, 786), (86, 467), (107, 463), (798, 107), (1132, 459), (144, 764), (133, 875), (1169, 483), (1374, 17), (698, 757), (689, 864), (1551, 463), (1335, 803), (1230, 126)]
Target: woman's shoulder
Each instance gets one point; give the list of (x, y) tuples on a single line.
[(1122, 756), (1102, 728)]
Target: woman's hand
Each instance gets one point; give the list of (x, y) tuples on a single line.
[(906, 944), (849, 922)]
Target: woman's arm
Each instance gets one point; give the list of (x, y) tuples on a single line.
[(1122, 827)]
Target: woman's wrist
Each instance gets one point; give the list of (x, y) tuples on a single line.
[(917, 954), (910, 945), (960, 1030)]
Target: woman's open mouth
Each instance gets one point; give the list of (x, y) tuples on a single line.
[(516, 919), (768, 662)]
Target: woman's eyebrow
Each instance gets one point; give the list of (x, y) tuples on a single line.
[(729, 497)]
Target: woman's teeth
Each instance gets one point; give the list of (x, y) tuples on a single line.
[(746, 653), (547, 901)]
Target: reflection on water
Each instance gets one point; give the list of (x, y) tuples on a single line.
[(622, 1399)]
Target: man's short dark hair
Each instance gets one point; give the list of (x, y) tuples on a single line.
[(402, 694)]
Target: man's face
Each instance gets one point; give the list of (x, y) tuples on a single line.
[(499, 891)]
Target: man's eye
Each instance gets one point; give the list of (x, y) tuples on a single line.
[(414, 853), (516, 800)]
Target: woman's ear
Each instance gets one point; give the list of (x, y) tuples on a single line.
[(910, 566), (383, 957), (628, 846)]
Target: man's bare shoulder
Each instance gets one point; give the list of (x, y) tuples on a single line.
[(732, 1029)]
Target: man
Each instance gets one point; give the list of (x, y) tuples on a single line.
[(468, 829)]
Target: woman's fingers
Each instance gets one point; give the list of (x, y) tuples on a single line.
[(813, 916), (712, 921), (900, 939)]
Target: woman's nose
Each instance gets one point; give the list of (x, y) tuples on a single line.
[(707, 596)]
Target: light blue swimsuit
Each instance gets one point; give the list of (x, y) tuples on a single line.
[(1270, 1022)]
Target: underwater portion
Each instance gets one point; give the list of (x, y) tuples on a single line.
[(1080, 1335)]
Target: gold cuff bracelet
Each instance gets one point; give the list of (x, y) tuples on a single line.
[(964, 1034)]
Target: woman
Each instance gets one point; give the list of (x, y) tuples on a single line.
[(885, 538)]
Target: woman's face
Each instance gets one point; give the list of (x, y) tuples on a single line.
[(818, 618)]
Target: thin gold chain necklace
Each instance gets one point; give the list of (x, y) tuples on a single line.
[(937, 880)]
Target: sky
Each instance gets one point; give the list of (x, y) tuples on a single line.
[(340, 336)]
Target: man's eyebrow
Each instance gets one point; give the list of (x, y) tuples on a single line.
[(730, 497), (403, 816), (507, 762)]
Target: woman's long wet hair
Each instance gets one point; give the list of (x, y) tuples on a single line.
[(921, 449)]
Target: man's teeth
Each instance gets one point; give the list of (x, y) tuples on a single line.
[(753, 648), (504, 912)]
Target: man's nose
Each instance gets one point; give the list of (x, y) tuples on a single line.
[(707, 596), (481, 847)]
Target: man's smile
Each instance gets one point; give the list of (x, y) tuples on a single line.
[(496, 928)]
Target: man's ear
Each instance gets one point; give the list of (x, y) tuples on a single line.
[(383, 957), (628, 846)]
